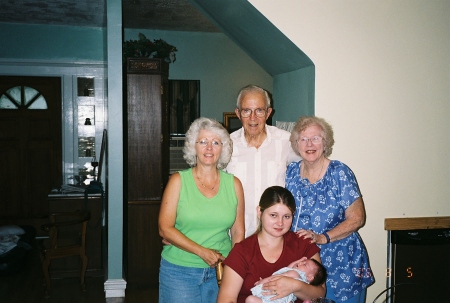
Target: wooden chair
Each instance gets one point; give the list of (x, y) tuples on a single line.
[(60, 246)]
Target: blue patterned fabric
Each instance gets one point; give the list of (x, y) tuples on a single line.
[(321, 207)]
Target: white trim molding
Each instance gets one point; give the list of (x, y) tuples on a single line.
[(115, 288)]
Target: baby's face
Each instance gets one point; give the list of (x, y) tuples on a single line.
[(308, 266)]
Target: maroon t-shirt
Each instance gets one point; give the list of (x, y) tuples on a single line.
[(247, 260)]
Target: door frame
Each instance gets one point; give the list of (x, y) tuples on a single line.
[(70, 101)]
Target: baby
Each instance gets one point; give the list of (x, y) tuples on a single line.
[(307, 270)]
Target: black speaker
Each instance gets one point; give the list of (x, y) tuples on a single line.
[(420, 266)]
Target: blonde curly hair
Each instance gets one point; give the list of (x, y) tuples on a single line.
[(307, 121)]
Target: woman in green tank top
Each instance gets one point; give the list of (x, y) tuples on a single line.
[(201, 216)]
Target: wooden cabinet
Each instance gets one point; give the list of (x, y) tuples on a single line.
[(70, 266), (146, 165)]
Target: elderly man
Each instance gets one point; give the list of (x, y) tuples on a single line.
[(261, 152)]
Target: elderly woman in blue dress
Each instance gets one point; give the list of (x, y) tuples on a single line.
[(330, 210)]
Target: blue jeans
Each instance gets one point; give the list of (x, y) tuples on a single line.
[(359, 298), (187, 284)]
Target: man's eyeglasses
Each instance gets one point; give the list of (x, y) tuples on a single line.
[(205, 143), (314, 140), (247, 112)]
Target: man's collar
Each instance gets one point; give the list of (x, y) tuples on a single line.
[(267, 140)]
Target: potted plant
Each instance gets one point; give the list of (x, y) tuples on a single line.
[(145, 48)]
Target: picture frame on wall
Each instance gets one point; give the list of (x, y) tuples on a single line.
[(231, 121)]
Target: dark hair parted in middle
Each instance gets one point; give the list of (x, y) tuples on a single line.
[(274, 195)]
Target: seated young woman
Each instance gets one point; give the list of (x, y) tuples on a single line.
[(272, 246)]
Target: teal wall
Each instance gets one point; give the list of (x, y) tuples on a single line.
[(293, 93), (220, 65), (45, 42)]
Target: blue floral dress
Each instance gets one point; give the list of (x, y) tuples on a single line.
[(321, 207)]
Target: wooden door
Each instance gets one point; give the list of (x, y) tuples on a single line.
[(30, 144)]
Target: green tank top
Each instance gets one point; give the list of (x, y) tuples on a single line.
[(206, 221)]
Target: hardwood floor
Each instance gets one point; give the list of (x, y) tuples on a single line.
[(27, 286)]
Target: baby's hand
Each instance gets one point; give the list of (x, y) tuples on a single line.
[(297, 262)]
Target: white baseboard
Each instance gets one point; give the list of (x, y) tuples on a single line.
[(115, 288)]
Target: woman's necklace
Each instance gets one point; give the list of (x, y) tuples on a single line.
[(318, 176), (212, 188)]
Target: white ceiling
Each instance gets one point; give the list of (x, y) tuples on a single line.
[(177, 15)]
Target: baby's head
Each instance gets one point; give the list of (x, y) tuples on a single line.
[(315, 271)]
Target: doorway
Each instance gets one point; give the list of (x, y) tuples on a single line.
[(184, 105), (30, 144)]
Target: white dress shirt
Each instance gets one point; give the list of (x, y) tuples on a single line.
[(259, 168)]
